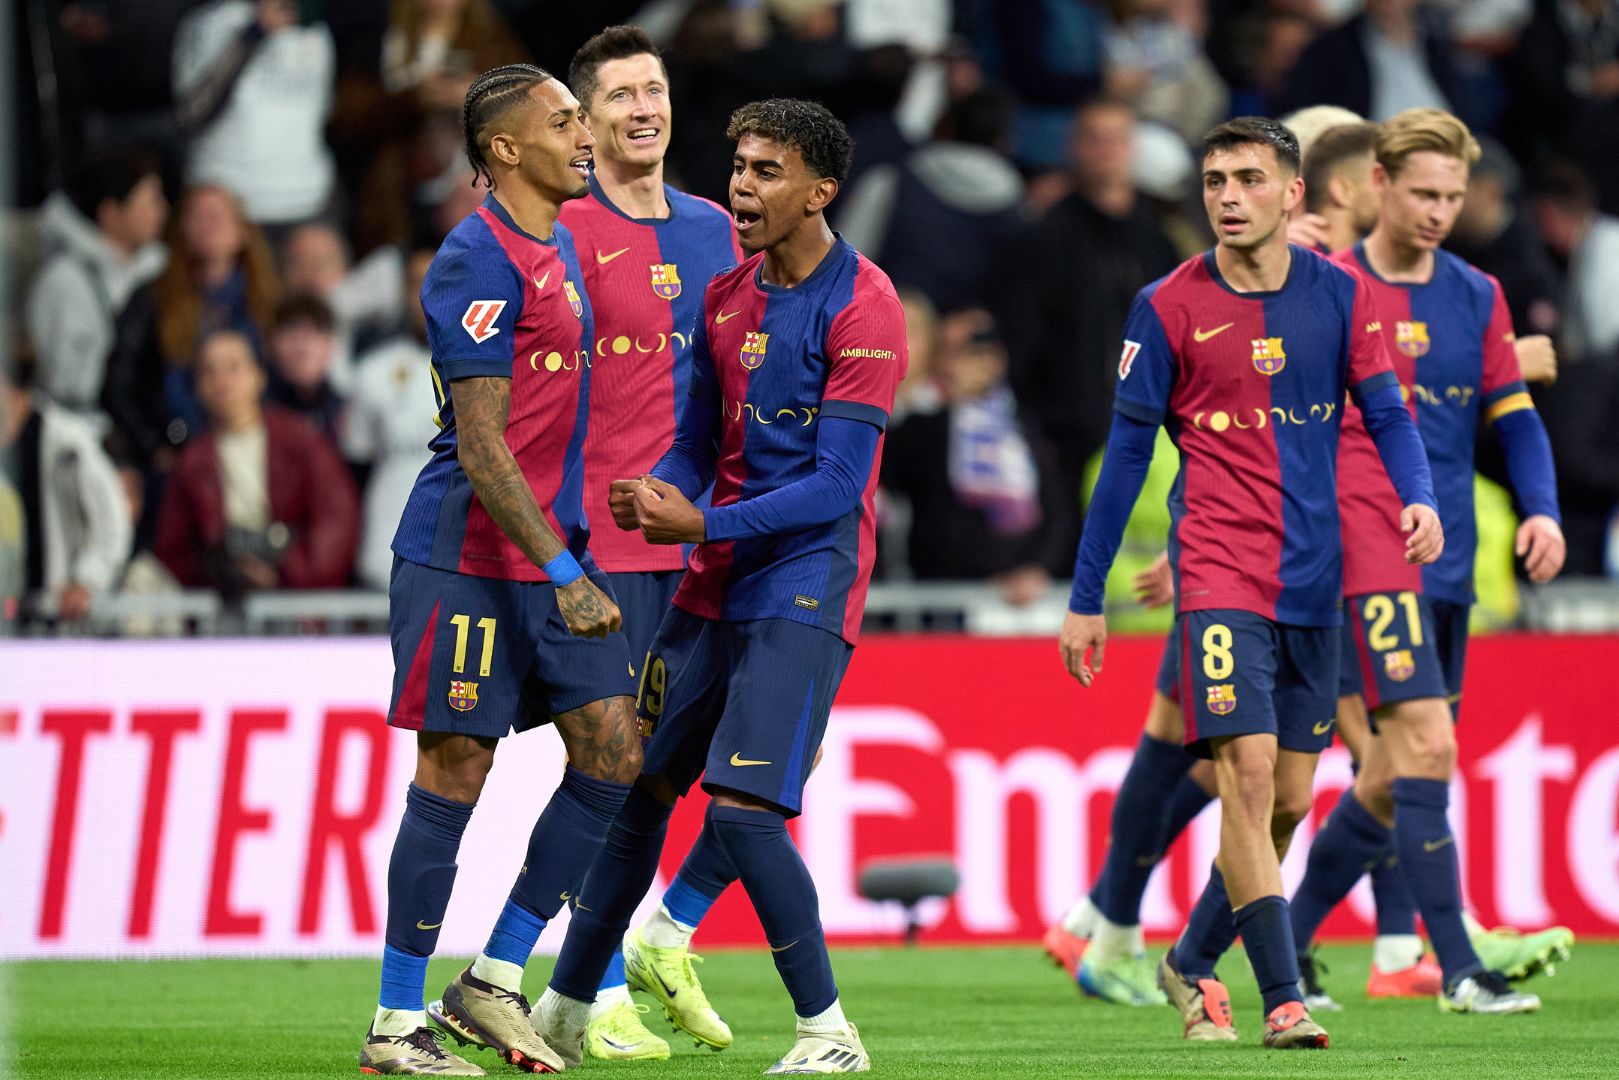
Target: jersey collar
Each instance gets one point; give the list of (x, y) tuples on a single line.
[(492, 204), (669, 194), (829, 262)]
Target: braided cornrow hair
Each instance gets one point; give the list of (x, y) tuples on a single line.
[(491, 94)]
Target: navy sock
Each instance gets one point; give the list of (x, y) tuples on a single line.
[(614, 975), (1396, 907), (618, 879), (1136, 838), (1267, 936), (1210, 930), (1349, 844), (1427, 851), (784, 898), (702, 877), (565, 841), (1185, 803), (421, 873), (516, 930)]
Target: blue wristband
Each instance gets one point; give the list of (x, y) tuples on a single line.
[(563, 570)]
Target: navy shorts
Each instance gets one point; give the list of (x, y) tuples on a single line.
[(742, 704), (487, 656), (1169, 670), (1389, 649), (1244, 674), (644, 598), (1450, 641)]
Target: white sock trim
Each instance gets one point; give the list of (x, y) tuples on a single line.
[(664, 931), (1081, 918), (825, 1022), (1396, 952), (501, 973), (570, 1011), (397, 1021), (609, 999), (1110, 941)]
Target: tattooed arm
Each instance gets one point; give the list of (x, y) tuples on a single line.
[(481, 408)]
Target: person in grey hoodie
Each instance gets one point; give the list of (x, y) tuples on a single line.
[(102, 237)]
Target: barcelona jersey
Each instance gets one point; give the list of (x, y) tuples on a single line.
[(645, 279), (1251, 388), (778, 360), (1452, 343), (503, 303)]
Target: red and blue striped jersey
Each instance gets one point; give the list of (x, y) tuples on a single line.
[(1251, 387), (777, 360), (645, 278), (503, 303), (1452, 343)]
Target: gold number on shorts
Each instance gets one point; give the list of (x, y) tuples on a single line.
[(654, 677), (486, 658), (1217, 660), (1380, 611)]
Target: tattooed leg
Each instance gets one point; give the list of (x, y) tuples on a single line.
[(603, 739)]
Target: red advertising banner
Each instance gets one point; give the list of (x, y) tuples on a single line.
[(242, 796)]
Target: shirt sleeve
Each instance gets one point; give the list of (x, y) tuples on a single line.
[(689, 463), (867, 354), (1146, 365), (1503, 386), (472, 307), (845, 450), (1125, 462), (1370, 367)]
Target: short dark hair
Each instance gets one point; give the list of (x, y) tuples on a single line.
[(108, 174), (1254, 131), (982, 118), (613, 43), (489, 96), (1331, 149), (806, 126), (1564, 185), (304, 308)]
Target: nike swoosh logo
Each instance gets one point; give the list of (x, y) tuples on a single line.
[(1201, 336), (1435, 845), (603, 260), (423, 926), (539, 282), (738, 760), (784, 948), (632, 670), (725, 316), (1322, 729), (566, 895), (663, 984)]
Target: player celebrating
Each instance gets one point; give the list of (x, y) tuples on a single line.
[(1254, 544), (498, 617), (1448, 326), (796, 358), (647, 251)]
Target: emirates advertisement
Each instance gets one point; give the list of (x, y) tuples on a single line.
[(241, 797)]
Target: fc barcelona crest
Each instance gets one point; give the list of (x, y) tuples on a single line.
[(666, 280), (573, 300), (1398, 665), (1222, 698), (463, 695), (1411, 338), (1268, 355), (753, 349)]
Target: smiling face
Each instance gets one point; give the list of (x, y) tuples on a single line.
[(1248, 194), (546, 142), (630, 113), (1421, 202), (773, 191)]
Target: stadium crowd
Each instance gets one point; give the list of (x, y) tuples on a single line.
[(220, 375)]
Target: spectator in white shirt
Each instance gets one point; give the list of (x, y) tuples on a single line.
[(1565, 206)]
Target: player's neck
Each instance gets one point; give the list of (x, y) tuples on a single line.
[(635, 189), (795, 257), (1258, 269), (1398, 262), (534, 213), (1341, 231)]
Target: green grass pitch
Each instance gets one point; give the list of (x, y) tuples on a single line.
[(929, 1012)]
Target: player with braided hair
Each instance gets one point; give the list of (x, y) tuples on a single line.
[(499, 618)]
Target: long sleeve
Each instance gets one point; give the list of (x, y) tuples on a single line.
[(688, 464), (845, 450), (102, 509), (1124, 470), (1528, 452), (1389, 423)]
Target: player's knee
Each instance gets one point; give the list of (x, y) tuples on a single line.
[(453, 766), (1432, 752), (1292, 807)]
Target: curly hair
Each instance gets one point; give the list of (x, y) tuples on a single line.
[(1255, 131), (806, 126), (490, 95), (613, 43)]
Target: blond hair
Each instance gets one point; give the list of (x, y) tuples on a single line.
[(1416, 130)]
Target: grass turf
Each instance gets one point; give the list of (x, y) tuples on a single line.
[(936, 1013)]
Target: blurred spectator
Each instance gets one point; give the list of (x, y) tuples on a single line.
[(1064, 287), (1050, 53), (260, 500), (107, 76), (1579, 413), (1564, 76), (364, 299), (1311, 122), (936, 222), (103, 233), (976, 484), (254, 88), (388, 426), (1491, 234), (303, 344), (1393, 57), (1266, 46), (1588, 244), (76, 521), (922, 27), (220, 277), (918, 390), (1155, 61)]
